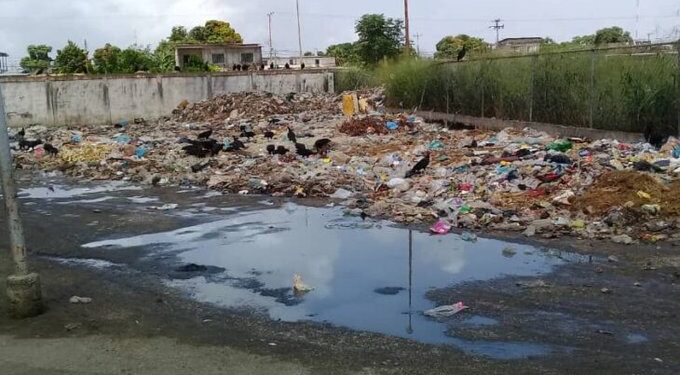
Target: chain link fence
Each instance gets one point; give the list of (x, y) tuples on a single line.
[(619, 88)]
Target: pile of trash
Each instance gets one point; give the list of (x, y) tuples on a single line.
[(380, 124), (255, 106), (511, 180)]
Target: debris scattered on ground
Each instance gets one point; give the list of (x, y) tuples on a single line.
[(80, 300), (446, 311), (510, 180), (299, 287)]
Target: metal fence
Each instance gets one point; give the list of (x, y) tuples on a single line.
[(634, 88)]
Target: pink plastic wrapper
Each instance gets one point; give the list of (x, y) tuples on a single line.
[(39, 152), (441, 227)]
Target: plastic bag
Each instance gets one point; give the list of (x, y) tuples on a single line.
[(446, 310), (441, 227)]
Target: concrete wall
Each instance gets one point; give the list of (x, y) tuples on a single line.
[(73, 100)]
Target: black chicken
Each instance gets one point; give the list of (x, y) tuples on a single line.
[(271, 66), (302, 66), (302, 150), (269, 134), (205, 134), (236, 145), (287, 66), (281, 150), (420, 166), (50, 149), (28, 145), (291, 136), (20, 135), (322, 145), (271, 149), (196, 150)]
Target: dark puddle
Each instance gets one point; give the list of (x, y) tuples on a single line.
[(365, 275)]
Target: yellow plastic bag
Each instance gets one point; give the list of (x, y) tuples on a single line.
[(349, 104)]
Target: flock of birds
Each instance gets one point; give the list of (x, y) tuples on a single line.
[(205, 146), (28, 145)]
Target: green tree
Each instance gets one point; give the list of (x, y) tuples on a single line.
[(106, 60), (612, 34), (345, 53), (38, 58), (136, 59), (449, 46), (582, 41), (320, 53), (197, 34), (179, 34), (163, 57), (309, 53), (379, 37), (71, 59), (221, 32)]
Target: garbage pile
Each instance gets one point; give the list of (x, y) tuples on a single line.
[(512, 180), (257, 106)]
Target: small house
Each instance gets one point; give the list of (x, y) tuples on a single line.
[(222, 55)]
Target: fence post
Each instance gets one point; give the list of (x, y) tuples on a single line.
[(534, 60), (23, 288), (677, 86), (481, 85), (593, 56)]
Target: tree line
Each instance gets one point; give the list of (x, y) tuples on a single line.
[(379, 38), (111, 59)]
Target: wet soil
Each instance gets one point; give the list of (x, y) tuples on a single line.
[(633, 328)]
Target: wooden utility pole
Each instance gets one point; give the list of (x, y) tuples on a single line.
[(406, 26), (23, 288)]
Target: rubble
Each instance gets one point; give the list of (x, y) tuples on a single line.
[(511, 180)]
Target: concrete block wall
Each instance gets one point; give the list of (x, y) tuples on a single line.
[(73, 100)]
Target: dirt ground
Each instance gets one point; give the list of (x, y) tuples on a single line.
[(139, 326)]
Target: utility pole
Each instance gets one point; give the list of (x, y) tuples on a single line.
[(406, 26), (497, 26), (417, 37), (271, 45), (297, 5), (23, 288)]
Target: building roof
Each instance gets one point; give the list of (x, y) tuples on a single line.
[(531, 39), (218, 45), (3, 54)]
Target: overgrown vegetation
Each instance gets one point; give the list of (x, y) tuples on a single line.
[(628, 92)]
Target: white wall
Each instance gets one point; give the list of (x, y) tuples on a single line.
[(54, 101)]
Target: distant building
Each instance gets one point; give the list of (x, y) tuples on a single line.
[(310, 61), (3, 62), (223, 55), (520, 45)]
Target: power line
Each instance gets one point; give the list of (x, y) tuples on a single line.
[(497, 26)]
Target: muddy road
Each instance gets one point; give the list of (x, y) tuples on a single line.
[(197, 281)]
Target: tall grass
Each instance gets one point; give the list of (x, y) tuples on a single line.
[(626, 92)]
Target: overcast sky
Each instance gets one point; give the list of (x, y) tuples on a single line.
[(324, 22)]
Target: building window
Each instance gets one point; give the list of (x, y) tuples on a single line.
[(218, 58), (291, 62), (185, 59), (247, 58), (317, 62)]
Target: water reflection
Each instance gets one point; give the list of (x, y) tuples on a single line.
[(346, 260)]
